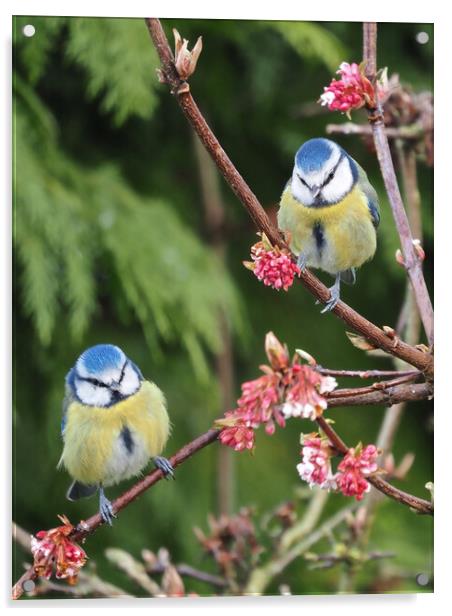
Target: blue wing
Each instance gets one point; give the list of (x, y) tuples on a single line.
[(374, 212), (371, 195), (68, 398)]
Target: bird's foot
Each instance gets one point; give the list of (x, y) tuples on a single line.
[(302, 262), (335, 296), (106, 509), (165, 466)]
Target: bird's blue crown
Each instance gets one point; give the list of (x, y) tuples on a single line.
[(313, 154), (100, 358)]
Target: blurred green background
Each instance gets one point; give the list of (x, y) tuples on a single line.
[(112, 243)]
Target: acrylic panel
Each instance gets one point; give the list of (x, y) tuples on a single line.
[(212, 412)]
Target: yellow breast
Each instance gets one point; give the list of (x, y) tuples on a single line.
[(95, 450), (348, 232)]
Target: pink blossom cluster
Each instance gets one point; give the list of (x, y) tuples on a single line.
[(52, 549), (350, 477), (239, 436), (286, 389), (354, 467), (352, 91), (272, 265), (275, 269), (304, 394), (257, 405), (315, 467)]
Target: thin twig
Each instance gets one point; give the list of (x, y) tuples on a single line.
[(385, 397), (413, 264), (366, 374), (261, 577), (380, 385), (135, 571), (188, 571), (415, 357), (409, 327), (412, 132)]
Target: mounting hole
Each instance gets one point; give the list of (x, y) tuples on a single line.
[(28, 585), (422, 38), (29, 30), (422, 579)]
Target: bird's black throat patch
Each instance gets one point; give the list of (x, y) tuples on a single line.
[(127, 439), (319, 236)]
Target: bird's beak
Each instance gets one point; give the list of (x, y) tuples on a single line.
[(115, 386), (316, 191)]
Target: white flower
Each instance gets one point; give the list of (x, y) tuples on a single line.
[(327, 98), (296, 409), (328, 383)]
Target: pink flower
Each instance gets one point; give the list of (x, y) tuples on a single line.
[(286, 389), (272, 265), (52, 549), (304, 393), (316, 465), (353, 468), (257, 403), (239, 436), (352, 91)]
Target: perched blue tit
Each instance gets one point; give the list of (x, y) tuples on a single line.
[(329, 212), (114, 421)]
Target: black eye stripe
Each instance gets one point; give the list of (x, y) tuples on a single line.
[(121, 376), (302, 181), (333, 171), (94, 382)]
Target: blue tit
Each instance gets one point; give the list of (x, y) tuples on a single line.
[(114, 421), (329, 213)]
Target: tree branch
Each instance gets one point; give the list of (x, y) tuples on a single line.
[(415, 357), (262, 576), (189, 571), (414, 131), (386, 397), (365, 374), (419, 504), (87, 527), (413, 264)]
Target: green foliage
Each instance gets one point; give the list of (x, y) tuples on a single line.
[(312, 42), (121, 70), (68, 218), (34, 52)]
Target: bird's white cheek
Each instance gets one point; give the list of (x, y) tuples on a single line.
[(340, 185), (300, 192), (91, 394), (130, 382)]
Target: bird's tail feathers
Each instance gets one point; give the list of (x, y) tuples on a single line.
[(80, 490)]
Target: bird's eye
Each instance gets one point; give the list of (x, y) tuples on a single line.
[(331, 176)]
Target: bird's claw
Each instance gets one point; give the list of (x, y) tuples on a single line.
[(165, 466), (302, 262), (106, 510), (331, 303)]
